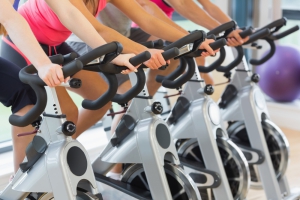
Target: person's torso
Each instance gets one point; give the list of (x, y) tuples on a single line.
[(44, 23)]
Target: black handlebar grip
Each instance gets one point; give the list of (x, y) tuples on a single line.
[(267, 56), (235, 62), (103, 99), (184, 78), (276, 23), (140, 58), (134, 91), (211, 36), (215, 64), (176, 73), (287, 32), (57, 59), (70, 57), (221, 28), (148, 44), (258, 35), (72, 68), (214, 45), (170, 53), (190, 38), (26, 74), (99, 51), (114, 69), (246, 32), (158, 44)]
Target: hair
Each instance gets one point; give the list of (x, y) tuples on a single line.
[(93, 2), (2, 30)]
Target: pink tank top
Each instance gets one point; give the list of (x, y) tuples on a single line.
[(162, 5), (44, 23)]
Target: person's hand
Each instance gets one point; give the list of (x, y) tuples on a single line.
[(123, 60), (234, 39), (156, 60), (52, 74), (209, 50)]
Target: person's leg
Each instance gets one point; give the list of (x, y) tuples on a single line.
[(205, 76), (20, 143), (20, 97), (93, 86), (152, 85)]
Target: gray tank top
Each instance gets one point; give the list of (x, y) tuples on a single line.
[(112, 17)]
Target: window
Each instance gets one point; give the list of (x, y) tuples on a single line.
[(291, 10)]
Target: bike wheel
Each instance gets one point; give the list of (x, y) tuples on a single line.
[(277, 144), (180, 185), (234, 162)]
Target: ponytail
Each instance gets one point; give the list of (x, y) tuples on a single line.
[(2, 30)]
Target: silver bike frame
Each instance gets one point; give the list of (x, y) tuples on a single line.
[(249, 105), (52, 173), (150, 143), (202, 121)]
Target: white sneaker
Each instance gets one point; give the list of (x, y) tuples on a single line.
[(115, 176)]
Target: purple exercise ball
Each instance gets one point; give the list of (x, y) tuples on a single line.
[(280, 76)]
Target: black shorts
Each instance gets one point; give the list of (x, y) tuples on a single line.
[(13, 92)]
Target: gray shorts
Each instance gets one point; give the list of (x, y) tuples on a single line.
[(136, 34)]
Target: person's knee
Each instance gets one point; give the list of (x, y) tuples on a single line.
[(24, 110)]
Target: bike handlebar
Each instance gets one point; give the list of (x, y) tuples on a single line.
[(38, 84)]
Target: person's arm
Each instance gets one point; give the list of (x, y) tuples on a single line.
[(214, 11), (20, 33), (154, 10), (74, 12), (153, 25), (147, 22), (190, 10)]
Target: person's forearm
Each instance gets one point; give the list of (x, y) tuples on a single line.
[(20, 33), (76, 22), (154, 10), (215, 11), (190, 10)]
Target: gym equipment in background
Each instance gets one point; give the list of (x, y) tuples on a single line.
[(279, 76), (143, 142), (243, 106)]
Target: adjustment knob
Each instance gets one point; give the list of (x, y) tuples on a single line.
[(68, 128), (75, 83), (209, 89), (255, 78), (157, 108)]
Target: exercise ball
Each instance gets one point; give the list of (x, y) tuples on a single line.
[(280, 75)]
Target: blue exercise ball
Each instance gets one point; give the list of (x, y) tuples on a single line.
[(280, 76)]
